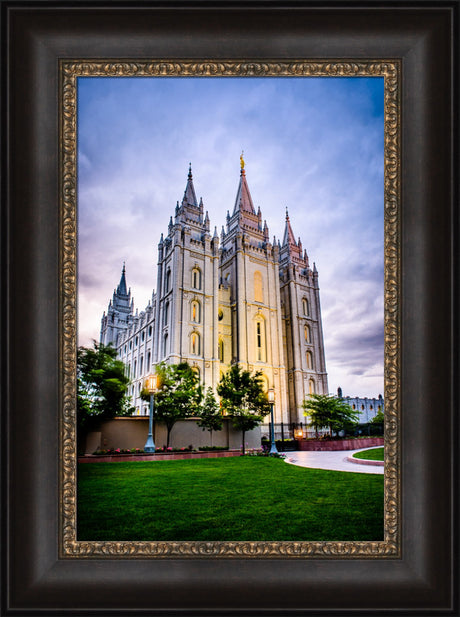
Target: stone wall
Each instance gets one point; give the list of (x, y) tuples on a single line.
[(132, 433), (318, 445)]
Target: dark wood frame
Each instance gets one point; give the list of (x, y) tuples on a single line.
[(425, 38)]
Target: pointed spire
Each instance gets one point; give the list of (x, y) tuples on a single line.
[(189, 193), (215, 233), (288, 237), (243, 201), (201, 205), (265, 230), (206, 221), (121, 289)]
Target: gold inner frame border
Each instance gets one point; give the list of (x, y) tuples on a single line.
[(69, 71)]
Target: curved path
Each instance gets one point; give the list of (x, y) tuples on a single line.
[(336, 461)]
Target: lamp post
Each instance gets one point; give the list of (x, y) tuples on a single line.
[(271, 400), (151, 385)]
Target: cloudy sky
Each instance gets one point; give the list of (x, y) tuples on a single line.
[(313, 145)]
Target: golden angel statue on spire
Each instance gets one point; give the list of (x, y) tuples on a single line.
[(242, 159)]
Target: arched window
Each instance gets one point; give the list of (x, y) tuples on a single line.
[(260, 340), (221, 350), (258, 291), (195, 343), (165, 344), (195, 312), (168, 280), (311, 386), (196, 278), (309, 360), (166, 314), (135, 368), (307, 334), (141, 365), (147, 367), (306, 307), (354, 406)]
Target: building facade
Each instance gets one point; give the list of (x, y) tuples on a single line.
[(367, 408), (237, 298)]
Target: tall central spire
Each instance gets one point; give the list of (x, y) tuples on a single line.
[(243, 200), (189, 198)]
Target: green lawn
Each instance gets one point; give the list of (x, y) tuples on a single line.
[(227, 499), (374, 454)]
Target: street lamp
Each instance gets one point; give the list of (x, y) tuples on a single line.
[(151, 385), (271, 400)]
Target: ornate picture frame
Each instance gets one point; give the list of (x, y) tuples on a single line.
[(46, 49)]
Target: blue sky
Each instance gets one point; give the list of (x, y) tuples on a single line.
[(313, 145)]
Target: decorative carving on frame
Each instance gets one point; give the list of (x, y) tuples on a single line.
[(69, 544)]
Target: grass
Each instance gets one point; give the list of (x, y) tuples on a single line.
[(226, 499), (373, 454)]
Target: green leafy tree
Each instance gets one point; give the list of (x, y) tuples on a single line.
[(329, 411), (379, 418), (178, 396), (210, 414), (243, 398), (102, 386)]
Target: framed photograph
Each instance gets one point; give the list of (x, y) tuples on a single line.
[(71, 75)]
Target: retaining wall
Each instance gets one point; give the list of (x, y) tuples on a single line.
[(131, 432), (320, 445)]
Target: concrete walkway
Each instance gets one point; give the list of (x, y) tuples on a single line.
[(336, 461)]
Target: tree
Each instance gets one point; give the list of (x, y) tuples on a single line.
[(102, 385), (379, 418), (179, 394), (329, 411), (210, 415), (243, 398)]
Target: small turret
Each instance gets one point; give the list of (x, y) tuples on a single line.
[(266, 231)]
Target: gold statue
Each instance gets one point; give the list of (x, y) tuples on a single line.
[(242, 160)]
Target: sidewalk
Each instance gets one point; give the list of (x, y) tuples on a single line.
[(336, 461)]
